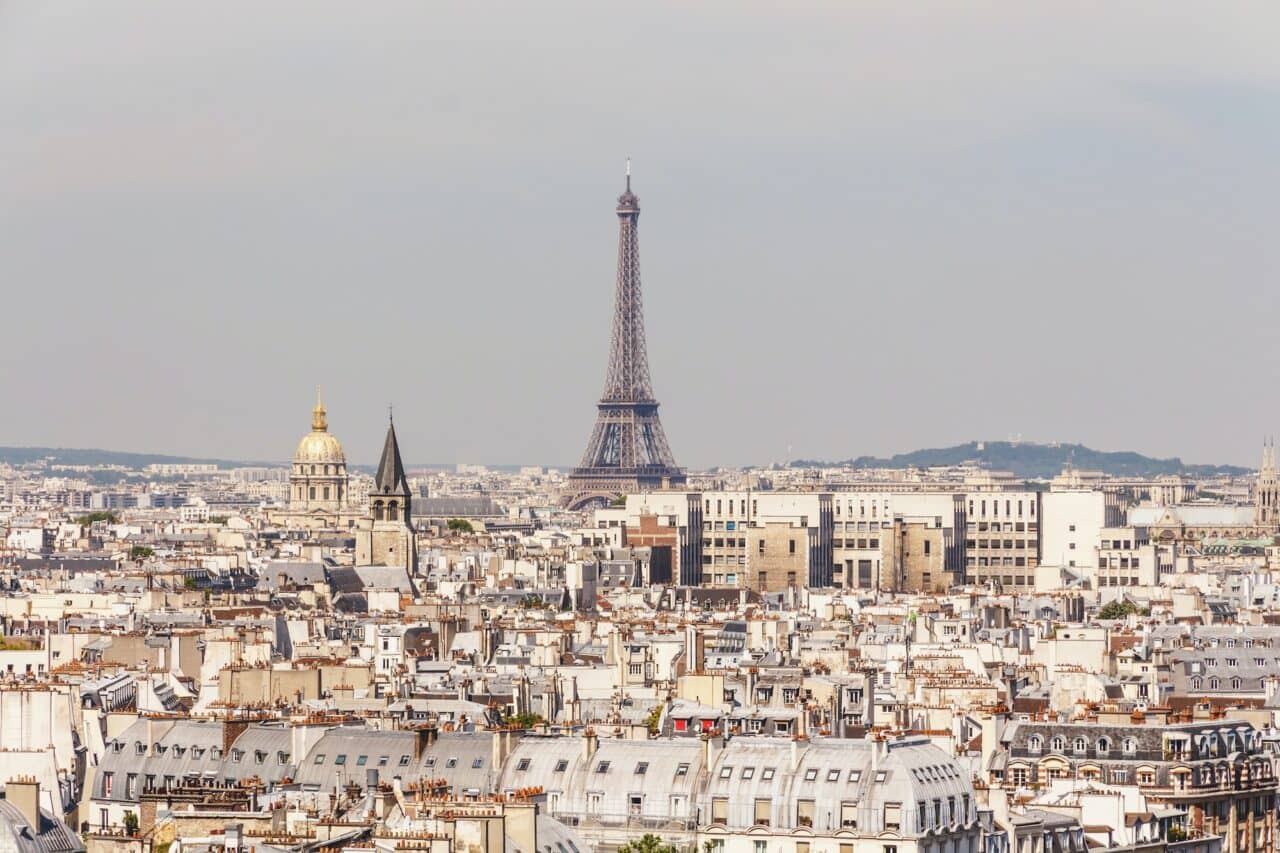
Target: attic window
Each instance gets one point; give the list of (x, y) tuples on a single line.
[(237, 754), (430, 762), (282, 757), (259, 756), (833, 775), (476, 764), (383, 759), (748, 772), (855, 775), (561, 765), (766, 774), (340, 760), (320, 758), (881, 776), (451, 763), (811, 774), (682, 769), (362, 761), (642, 768), (197, 751), (404, 761), (602, 767), (522, 765), (726, 772), (140, 748)]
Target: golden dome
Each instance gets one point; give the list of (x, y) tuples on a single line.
[(319, 445)]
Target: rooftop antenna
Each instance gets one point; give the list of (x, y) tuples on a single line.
[(391, 416), (628, 173)]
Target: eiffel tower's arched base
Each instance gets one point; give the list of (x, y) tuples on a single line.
[(591, 490)]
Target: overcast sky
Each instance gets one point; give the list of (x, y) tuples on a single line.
[(867, 227)]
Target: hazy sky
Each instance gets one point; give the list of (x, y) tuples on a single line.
[(867, 227)]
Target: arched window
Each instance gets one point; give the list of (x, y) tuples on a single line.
[(1104, 745), (393, 513), (313, 493), (1130, 746), (1197, 684), (377, 510), (326, 493), (1214, 683), (1081, 744), (313, 469), (1235, 684), (1058, 744), (1035, 743)]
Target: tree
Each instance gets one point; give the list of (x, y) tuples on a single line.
[(620, 500), (525, 720), (131, 823), (1118, 609), (460, 525), (655, 714), (98, 515), (141, 552), (648, 843)]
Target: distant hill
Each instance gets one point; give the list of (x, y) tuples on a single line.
[(94, 456), (1036, 461), (138, 461)]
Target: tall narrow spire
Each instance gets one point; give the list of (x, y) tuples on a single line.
[(628, 449), (391, 477), (319, 417)]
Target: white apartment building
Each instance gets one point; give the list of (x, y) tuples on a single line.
[(1071, 526)]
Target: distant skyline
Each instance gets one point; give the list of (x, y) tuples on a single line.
[(866, 229)]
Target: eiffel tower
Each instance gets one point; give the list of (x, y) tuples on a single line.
[(628, 450)]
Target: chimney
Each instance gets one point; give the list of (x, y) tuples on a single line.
[(232, 729), (590, 743), (24, 793), (426, 736)]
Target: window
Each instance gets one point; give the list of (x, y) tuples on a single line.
[(763, 809), (892, 817), (726, 772), (767, 774), (477, 763), (404, 761), (562, 765), (642, 768), (1130, 746), (602, 767), (522, 765), (1035, 743), (811, 774), (451, 763), (849, 815), (1081, 745), (855, 775), (681, 769), (1103, 746), (320, 758), (804, 812), (1058, 744), (833, 775), (362, 760), (340, 760), (720, 810)]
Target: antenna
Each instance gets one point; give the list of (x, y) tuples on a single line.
[(628, 173)]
